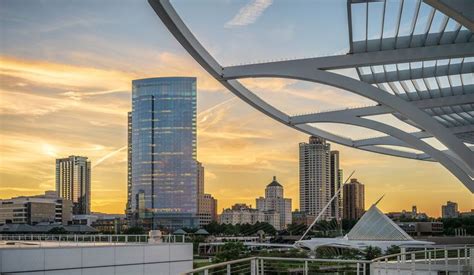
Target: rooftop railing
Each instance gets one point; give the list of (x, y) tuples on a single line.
[(447, 260), (47, 240), (277, 265), (456, 260)]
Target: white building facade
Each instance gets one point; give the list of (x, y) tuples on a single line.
[(275, 203)]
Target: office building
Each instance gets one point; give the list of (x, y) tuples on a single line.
[(73, 182), (45, 209), (163, 153), (320, 178), (450, 210), (128, 207), (274, 201), (353, 200), (207, 204)]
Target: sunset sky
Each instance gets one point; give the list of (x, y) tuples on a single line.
[(66, 69)]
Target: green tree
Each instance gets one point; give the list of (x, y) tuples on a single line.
[(136, 230), (231, 251), (57, 230), (372, 252), (394, 249)]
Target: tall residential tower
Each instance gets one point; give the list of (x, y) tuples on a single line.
[(320, 178), (163, 187), (73, 182)]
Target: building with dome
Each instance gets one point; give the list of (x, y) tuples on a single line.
[(274, 201)]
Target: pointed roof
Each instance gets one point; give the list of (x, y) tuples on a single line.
[(179, 232), (274, 183), (201, 231), (376, 226)]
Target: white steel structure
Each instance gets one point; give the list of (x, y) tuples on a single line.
[(422, 75)]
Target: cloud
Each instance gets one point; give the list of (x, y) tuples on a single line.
[(249, 13)]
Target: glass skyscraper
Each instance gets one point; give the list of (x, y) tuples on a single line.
[(162, 145)]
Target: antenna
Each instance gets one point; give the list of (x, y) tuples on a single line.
[(325, 207), (377, 202)]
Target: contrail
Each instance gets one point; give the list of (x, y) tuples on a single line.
[(111, 154), (210, 109)]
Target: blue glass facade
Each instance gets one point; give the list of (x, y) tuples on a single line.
[(163, 151)]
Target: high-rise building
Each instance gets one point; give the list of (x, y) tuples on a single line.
[(47, 208), (200, 178), (73, 182), (450, 210), (353, 200), (128, 207), (163, 152), (207, 204), (336, 183), (274, 201), (319, 178)]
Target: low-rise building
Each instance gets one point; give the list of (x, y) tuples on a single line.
[(47, 208), (405, 214), (300, 217), (241, 214), (422, 228)]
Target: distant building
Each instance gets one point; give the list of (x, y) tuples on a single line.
[(450, 210), (404, 214), (467, 214), (104, 223), (336, 183), (162, 142), (207, 204), (319, 178), (207, 209), (274, 201), (300, 217), (73, 182), (47, 209), (353, 200), (128, 207), (422, 228), (241, 214)]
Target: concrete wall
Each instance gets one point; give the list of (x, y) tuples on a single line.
[(153, 259)]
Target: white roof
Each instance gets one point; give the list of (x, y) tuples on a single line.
[(375, 226)]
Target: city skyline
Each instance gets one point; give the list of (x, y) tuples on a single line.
[(93, 98)]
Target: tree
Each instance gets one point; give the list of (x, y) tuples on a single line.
[(393, 249), (136, 230), (57, 230), (231, 251), (372, 252)]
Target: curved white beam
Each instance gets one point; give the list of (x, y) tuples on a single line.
[(379, 109), (397, 104), (413, 141), (172, 21), (361, 59)]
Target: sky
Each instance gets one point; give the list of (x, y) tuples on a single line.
[(66, 69)]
